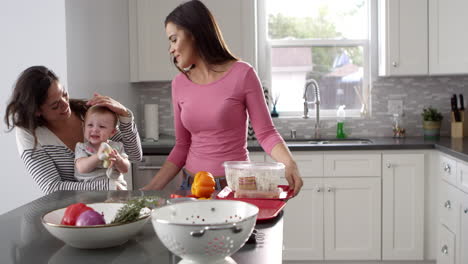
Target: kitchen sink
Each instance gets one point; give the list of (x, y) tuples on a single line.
[(345, 141)]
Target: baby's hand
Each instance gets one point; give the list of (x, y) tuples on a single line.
[(114, 157), (104, 149), (104, 154)]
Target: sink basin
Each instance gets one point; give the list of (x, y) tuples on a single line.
[(345, 141)]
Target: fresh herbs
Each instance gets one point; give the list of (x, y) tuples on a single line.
[(131, 211)]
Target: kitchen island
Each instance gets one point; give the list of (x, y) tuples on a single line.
[(23, 239)]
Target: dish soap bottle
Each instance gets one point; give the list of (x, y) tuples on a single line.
[(340, 117)]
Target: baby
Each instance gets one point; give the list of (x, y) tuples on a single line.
[(100, 157)]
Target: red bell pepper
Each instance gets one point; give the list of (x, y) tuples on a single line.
[(72, 212)]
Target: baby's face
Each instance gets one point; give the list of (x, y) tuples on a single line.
[(99, 127)]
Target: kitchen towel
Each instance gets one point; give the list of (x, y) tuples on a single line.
[(151, 122)]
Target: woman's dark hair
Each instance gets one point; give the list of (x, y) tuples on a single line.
[(29, 93), (195, 18)]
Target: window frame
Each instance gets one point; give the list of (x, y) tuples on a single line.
[(369, 51)]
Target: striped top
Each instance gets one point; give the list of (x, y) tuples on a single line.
[(52, 164)]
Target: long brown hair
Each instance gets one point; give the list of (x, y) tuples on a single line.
[(197, 20), (29, 93)]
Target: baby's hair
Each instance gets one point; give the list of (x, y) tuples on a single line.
[(101, 110)]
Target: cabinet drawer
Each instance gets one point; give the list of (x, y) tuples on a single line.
[(448, 206), (446, 247), (257, 156), (463, 234), (352, 165), (447, 169), (462, 176), (310, 165)]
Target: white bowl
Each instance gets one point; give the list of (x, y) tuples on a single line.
[(98, 236), (205, 231)]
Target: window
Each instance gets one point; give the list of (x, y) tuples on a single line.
[(324, 40)]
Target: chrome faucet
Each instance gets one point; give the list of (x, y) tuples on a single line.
[(307, 95)]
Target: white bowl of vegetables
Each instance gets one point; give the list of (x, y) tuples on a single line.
[(97, 225)]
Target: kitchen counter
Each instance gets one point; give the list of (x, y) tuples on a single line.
[(25, 240), (452, 146)]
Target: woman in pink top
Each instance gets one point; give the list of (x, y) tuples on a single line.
[(213, 96)]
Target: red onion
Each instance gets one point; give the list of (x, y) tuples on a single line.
[(89, 218)]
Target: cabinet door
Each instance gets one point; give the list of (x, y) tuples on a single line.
[(352, 218), (149, 56), (403, 207), (446, 249), (463, 246), (447, 36), (303, 223), (403, 33)]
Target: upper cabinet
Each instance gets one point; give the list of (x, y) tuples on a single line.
[(447, 36), (422, 37), (149, 57), (403, 45)]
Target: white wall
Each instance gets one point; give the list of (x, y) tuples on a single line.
[(32, 33), (98, 50)]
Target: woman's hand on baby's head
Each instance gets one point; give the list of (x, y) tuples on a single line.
[(108, 102)]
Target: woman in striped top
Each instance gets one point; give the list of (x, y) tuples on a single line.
[(49, 124)]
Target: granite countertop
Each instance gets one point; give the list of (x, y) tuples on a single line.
[(457, 147), (25, 240)]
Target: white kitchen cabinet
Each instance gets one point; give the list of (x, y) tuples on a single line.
[(403, 206), (453, 212), (352, 219), (149, 57), (403, 34), (303, 223), (335, 218), (463, 247), (423, 37), (446, 250), (447, 36)]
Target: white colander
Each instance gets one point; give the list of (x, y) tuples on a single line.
[(205, 231)]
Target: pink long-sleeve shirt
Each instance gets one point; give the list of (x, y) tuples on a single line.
[(211, 120)]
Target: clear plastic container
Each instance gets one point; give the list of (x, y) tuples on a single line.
[(267, 175)]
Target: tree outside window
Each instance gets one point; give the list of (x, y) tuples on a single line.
[(327, 44)]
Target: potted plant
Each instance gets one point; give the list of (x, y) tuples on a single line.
[(432, 120)]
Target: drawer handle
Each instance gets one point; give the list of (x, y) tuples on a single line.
[(317, 189), (389, 165), (394, 64), (329, 189), (448, 204), (445, 249), (447, 168), (465, 211), (149, 167)]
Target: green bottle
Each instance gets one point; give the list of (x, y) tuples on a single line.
[(340, 114)]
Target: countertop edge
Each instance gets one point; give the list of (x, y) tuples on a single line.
[(454, 147)]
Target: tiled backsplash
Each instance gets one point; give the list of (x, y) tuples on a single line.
[(415, 92)]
